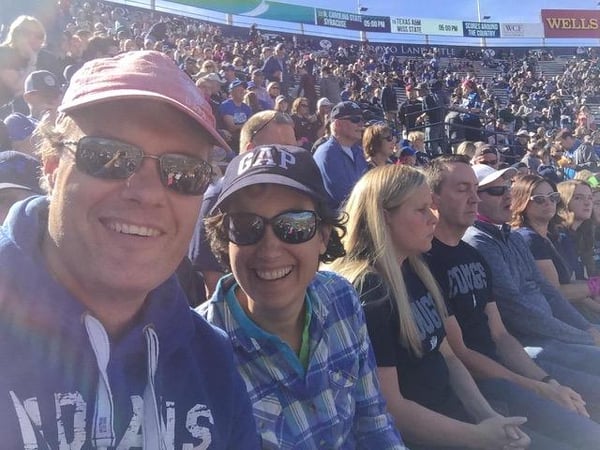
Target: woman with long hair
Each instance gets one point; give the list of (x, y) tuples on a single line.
[(305, 123), (429, 392), (575, 240), (379, 144), (534, 204)]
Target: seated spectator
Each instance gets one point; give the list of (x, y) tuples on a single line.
[(433, 399), (533, 207), (485, 154), (341, 159), (299, 335), (20, 130), (19, 179), (556, 335), (574, 239), (531, 158), (234, 112), (305, 123), (505, 374), (274, 90), (379, 144)]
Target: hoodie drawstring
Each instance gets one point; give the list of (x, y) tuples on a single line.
[(103, 433), (153, 426)]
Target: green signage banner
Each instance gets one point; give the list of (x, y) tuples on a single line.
[(261, 9)]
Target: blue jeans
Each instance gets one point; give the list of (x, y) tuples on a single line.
[(549, 425), (576, 366)]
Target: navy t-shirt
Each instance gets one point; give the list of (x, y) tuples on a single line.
[(466, 283), (543, 249), (424, 380)]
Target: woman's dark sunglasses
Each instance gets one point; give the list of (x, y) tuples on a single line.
[(111, 159), (540, 199), (389, 138), (353, 119), (291, 227), (495, 191)]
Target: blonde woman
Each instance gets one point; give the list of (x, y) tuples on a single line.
[(430, 394)]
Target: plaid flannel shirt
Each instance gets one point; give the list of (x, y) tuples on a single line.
[(335, 403)]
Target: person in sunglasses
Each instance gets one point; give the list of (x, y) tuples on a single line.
[(534, 206), (507, 377), (559, 339), (340, 159), (98, 346), (299, 335), (379, 144)]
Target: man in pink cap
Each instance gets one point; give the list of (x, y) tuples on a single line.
[(99, 345)]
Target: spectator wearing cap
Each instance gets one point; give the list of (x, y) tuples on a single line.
[(300, 336), (274, 90), (519, 147), (532, 158), (20, 130), (281, 104), (234, 112), (257, 79), (410, 109), (485, 154), (228, 74), (323, 110), (19, 179), (87, 273), (265, 127), (341, 159), (42, 93), (566, 344)]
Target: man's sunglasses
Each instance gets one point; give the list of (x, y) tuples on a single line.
[(495, 191), (540, 199), (489, 162), (291, 227), (353, 119), (111, 159)]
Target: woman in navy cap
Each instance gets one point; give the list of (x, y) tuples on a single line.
[(299, 335)]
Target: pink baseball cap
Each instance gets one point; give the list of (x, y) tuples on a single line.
[(139, 74)]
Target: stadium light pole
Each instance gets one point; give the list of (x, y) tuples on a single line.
[(360, 9), (482, 41)]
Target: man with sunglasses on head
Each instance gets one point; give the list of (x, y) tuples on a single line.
[(554, 333), (341, 158), (108, 353), (264, 127), (509, 379)]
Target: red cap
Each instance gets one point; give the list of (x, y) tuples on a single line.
[(139, 74)]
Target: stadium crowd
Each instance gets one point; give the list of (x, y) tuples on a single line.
[(343, 248)]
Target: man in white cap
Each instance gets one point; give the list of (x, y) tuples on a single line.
[(109, 353), (555, 334)]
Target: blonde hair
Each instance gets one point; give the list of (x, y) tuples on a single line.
[(467, 148), (566, 189), (20, 27), (369, 245), (414, 136)]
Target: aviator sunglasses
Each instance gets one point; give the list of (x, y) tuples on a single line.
[(495, 191), (291, 227), (540, 199), (111, 159)]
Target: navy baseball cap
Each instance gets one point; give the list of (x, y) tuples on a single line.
[(284, 165), (42, 81), (19, 171), (19, 126), (235, 83), (345, 109)]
